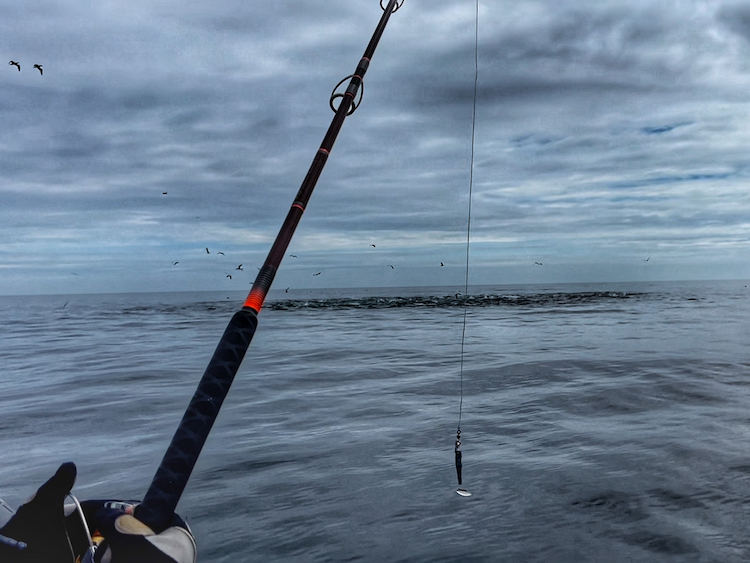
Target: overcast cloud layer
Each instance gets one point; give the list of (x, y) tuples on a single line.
[(611, 143)]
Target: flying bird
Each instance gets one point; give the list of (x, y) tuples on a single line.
[(239, 268), (221, 253), (317, 274), (39, 68), (207, 252), (647, 259), (373, 246), (163, 193), (538, 263), (292, 256), (176, 263), (229, 276), (286, 290), (14, 63), (390, 265), (442, 264)]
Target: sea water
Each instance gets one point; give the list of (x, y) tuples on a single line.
[(602, 422)]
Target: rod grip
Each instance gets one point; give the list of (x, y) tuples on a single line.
[(170, 480)]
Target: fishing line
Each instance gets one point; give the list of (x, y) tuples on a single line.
[(461, 491)]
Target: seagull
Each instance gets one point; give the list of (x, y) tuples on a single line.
[(39, 68), (390, 265), (229, 276), (163, 193), (538, 263), (221, 253), (373, 246), (14, 63), (207, 252), (239, 268), (176, 263), (292, 256), (647, 259), (442, 264), (317, 274), (286, 290)]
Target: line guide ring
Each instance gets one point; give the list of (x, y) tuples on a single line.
[(395, 8), (355, 103)]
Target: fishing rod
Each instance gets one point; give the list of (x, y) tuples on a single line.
[(182, 454)]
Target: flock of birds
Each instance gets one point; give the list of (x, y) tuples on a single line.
[(18, 66), (536, 263), (241, 269)]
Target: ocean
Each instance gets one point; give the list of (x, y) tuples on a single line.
[(600, 422)]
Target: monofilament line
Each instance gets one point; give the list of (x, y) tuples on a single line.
[(468, 222)]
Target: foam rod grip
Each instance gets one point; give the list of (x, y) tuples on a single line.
[(170, 480)]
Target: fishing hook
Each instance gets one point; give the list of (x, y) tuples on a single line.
[(461, 490)]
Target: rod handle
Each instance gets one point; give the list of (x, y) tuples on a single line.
[(170, 480)]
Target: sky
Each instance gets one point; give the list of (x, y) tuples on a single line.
[(611, 143)]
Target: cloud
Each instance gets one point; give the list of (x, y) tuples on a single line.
[(736, 17), (602, 130)]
